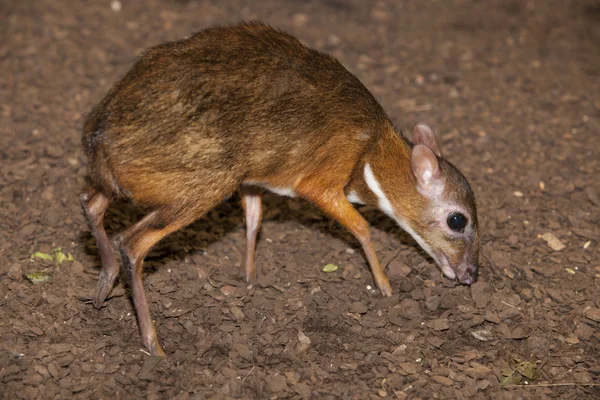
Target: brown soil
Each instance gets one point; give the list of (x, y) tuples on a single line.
[(513, 87)]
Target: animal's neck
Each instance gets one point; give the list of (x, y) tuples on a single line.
[(384, 178)]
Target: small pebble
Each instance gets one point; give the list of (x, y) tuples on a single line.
[(116, 5), (593, 314), (359, 307)]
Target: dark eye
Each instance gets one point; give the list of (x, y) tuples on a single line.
[(457, 222)]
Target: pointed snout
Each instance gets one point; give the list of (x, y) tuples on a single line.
[(468, 275)]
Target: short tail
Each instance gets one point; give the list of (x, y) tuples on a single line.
[(94, 145)]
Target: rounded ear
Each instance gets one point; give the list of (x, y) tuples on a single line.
[(423, 134), (426, 169)]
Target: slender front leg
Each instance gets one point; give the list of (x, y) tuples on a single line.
[(94, 205), (252, 203), (337, 207)]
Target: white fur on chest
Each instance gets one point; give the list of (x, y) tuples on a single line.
[(282, 191)]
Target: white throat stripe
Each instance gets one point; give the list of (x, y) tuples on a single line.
[(383, 202), (386, 206)]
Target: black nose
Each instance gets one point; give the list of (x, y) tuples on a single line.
[(469, 276), (475, 273)]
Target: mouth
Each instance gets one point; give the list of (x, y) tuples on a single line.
[(447, 270), (465, 275)]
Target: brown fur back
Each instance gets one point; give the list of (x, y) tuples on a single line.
[(227, 105)]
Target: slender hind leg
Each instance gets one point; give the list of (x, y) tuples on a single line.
[(335, 204), (251, 201), (94, 205), (135, 243)]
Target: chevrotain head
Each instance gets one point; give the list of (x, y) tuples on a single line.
[(445, 225)]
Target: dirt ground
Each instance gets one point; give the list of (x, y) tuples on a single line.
[(513, 88)]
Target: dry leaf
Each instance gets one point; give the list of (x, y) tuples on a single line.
[(554, 243), (303, 342)]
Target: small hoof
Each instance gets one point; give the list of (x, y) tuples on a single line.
[(100, 296), (248, 278), (97, 303), (156, 350), (385, 289), (102, 291)]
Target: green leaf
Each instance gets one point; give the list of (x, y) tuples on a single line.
[(507, 372), (38, 277), (60, 257), (43, 256), (528, 370), (70, 257), (330, 268), (512, 379)]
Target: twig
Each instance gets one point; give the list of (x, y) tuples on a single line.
[(390, 258), (508, 304), (552, 384), (145, 352), (248, 374)]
